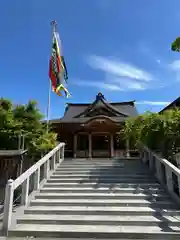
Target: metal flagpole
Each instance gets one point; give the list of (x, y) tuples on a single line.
[(53, 24), (48, 105)]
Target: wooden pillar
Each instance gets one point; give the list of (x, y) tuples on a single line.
[(75, 145), (112, 145), (90, 145)]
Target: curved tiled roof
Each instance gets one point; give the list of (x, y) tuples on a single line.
[(76, 112)]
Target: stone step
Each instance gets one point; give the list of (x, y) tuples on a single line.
[(54, 194), (101, 171), (98, 232), (102, 180), (103, 210), (95, 187), (95, 184), (122, 169), (97, 172), (99, 220), (102, 189), (102, 199), (104, 165), (97, 160), (100, 175), (99, 203), (105, 168), (108, 191), (105, 161), (101, 160)]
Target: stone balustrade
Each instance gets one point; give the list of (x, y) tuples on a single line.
[(48, 162), (166, 173)]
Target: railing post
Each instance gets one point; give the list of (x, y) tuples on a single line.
[(142, 155), (37, 179), (25, 192), (150, 156), (62, 152), (169, 179), (147, 156), (8, 206), (158, 170), (127, 148), (179, 183), (46, 169), (57, 156), (53, 161)]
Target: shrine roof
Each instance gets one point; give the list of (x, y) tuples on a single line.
[(82, 112), (175, 103)]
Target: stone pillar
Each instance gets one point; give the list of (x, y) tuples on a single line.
[(127, 148), (112, 145), (90, 146), (75, 145)]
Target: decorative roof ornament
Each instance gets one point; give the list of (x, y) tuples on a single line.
[(99, 96)]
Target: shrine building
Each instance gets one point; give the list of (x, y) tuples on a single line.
[(92, 130)]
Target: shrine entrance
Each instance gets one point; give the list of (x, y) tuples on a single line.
[(101, 145)]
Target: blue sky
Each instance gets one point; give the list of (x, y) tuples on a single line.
[(119, 47)]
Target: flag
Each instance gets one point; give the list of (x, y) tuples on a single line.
[(62, 57), (57, 67)]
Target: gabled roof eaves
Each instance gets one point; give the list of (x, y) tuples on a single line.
[(177, 100), (106, 104), (74, 111), (84, 120)]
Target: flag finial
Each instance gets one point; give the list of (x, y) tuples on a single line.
[(54, 24)]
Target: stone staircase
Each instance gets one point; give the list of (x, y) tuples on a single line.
[(106, 199)]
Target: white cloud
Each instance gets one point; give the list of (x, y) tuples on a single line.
[(118, 75), (136, 86), (119, 68), (175, 68), (175, 65), (153, 103), (118, 84), (98, 84), (129, 84)]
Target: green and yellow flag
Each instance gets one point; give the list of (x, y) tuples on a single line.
[(57, 67)]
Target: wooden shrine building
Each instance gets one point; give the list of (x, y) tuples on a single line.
[(92, 130)]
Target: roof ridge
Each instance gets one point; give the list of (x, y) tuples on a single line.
[(83, 104), (105, 102)]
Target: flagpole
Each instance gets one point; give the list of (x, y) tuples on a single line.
[(53, 24), (48, 105)]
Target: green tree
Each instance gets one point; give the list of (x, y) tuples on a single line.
[(7, 124), (157, 131), (175, 46), (25, 120)]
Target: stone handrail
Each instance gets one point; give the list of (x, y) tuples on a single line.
[(49, 161), (166, 173)]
